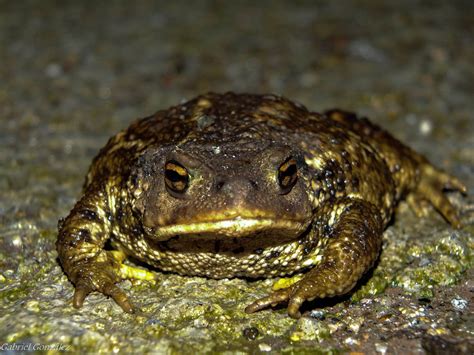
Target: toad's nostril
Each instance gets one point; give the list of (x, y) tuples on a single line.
[(253, 184), (220, 185)]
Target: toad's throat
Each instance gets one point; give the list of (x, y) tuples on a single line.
[(233, 228)]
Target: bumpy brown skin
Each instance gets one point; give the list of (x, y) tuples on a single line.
[(270, 189)]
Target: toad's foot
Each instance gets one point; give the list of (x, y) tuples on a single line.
[(352, 249), (325, 280), (102, 274), (430, 189)]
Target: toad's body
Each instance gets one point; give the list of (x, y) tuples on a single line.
[(244, 185)]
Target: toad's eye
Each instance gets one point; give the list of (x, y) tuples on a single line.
[(287, 175), (176, 176)]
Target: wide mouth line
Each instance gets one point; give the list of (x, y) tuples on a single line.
[(234, 224)]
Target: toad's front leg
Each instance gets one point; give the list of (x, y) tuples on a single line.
[(80, 246), (352, 248)]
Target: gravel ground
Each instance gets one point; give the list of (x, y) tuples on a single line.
[(74, 73)]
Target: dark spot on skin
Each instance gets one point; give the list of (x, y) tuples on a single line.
[(346, 209), (119, 213), (89, 215), (355, 183), (250, 333), (137, 229), (273, 255), (61, 223), (317, 193), (80, 236), (319, 176), (84, 234), (72, 242), (134, 180), (340, 183), (327, 230), (219, 185)]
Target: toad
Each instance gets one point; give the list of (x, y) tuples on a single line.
[(238, 185)]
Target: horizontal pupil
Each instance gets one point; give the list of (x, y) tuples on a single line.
[(174, 176), (291, 170)]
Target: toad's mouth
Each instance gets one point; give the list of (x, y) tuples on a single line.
[(233, 228)]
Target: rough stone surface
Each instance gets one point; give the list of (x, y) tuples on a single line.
[(75, 73)]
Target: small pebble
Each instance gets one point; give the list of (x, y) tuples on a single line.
[(250, 333), (425, 127), (53, 70), (319, 315), (381, 348), (351, 341), (459, 304), (424, 262)]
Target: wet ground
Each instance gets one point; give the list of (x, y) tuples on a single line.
[(74, 74)]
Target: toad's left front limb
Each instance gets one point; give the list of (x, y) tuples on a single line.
[(352, 248), (80, 245)]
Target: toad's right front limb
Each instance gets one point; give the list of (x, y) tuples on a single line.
[(352, 247), (80, 246)]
